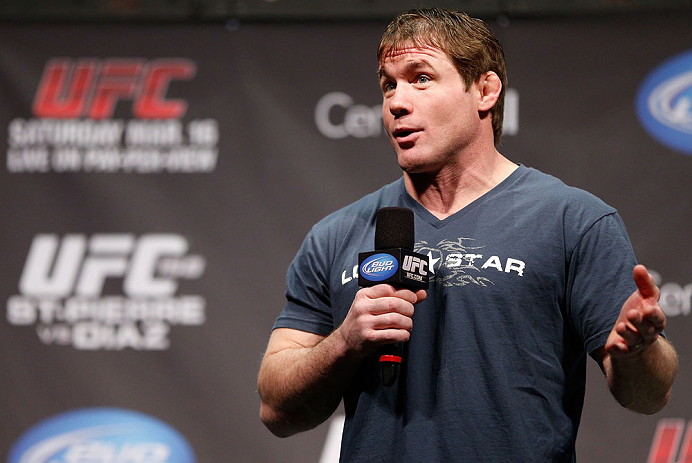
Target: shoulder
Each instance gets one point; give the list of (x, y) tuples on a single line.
[(359, 214), (550, 192), (549, 204), (334, 238)]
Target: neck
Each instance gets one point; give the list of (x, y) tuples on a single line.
[(455, 186)]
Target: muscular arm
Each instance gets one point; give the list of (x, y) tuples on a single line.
[(639, 364), (303, 375), (301, 380)]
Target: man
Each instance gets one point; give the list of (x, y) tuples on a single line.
[(529, 276)]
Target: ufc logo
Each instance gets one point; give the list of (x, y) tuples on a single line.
[(415, 265), (79, 265), (92, 88), (667, 442)]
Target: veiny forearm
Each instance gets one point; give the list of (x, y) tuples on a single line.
[(300, 387), (642, 382)]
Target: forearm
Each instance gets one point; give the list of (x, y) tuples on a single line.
[(300, 387), (642, 381), (303, 376)]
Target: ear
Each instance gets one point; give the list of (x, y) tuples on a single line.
[(489, 86)]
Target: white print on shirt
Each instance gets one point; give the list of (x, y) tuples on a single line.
[(457, 263)]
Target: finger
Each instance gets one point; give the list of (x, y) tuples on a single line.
[(649, 322), (645, 282), (617, 346), (629, 335), (637, 330), (635, 317), (385, 290), (392, 304), (654, 316), (393, 321), (390, 336), (421, 295), (648, 333), (646, 320)]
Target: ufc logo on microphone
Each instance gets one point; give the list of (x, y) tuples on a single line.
[(415, 265), (92, 88)]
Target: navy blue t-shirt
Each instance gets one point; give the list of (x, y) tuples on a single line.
[(526, 280)]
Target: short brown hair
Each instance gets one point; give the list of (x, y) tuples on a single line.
[(467, 42)]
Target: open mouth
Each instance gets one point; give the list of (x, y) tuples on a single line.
[(403, 133)]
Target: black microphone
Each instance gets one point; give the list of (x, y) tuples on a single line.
[(394, 262)]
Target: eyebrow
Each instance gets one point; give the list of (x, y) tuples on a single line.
[(410, 66)]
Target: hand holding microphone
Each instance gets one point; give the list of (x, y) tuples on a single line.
[(380, 315), (393, 262)]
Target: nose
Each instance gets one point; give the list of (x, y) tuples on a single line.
[(399, 103)]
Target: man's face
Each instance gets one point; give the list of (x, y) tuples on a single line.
[(427, 112)]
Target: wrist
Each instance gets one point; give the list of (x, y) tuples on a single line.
[(339, 345)]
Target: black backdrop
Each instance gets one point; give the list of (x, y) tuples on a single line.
[(176, 233)]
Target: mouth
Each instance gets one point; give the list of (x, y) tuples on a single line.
[(405, 135)]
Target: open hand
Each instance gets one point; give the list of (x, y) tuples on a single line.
[(641, 319)]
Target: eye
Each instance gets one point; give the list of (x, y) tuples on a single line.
[(387, 87), (423, 79)]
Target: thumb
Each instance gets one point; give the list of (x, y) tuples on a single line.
[(645, 282)]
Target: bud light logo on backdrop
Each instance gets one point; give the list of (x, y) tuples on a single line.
[(101, 434), (664, 103)]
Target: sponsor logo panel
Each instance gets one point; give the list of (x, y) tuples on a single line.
[(338, 116), (664, 103), (379, 267), (74, 129), (101, 435), (107, 291)]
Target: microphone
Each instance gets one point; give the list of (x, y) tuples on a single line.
[(394, 262)]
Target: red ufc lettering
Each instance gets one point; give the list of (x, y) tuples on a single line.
[(119, 79), (151, 103), (56, 97), (93, 89), (666, 444)]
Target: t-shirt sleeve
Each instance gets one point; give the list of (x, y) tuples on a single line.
[(308, 305), (600, 279)]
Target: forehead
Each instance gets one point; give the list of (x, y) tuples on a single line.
[(413, 56)]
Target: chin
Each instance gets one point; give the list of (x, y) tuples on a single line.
[(417, 166), (419, 171), (410, 162)]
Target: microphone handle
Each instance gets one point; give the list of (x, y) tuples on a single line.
[(390, 360)]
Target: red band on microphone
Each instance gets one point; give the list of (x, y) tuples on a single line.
[(390, 358)]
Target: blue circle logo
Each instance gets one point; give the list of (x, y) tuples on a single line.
[(101, 434), (379, 267), (664, 103)]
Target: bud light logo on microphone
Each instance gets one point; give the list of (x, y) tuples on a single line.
[(398, 267), (664, 103), (101, 435), (379, 267)]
